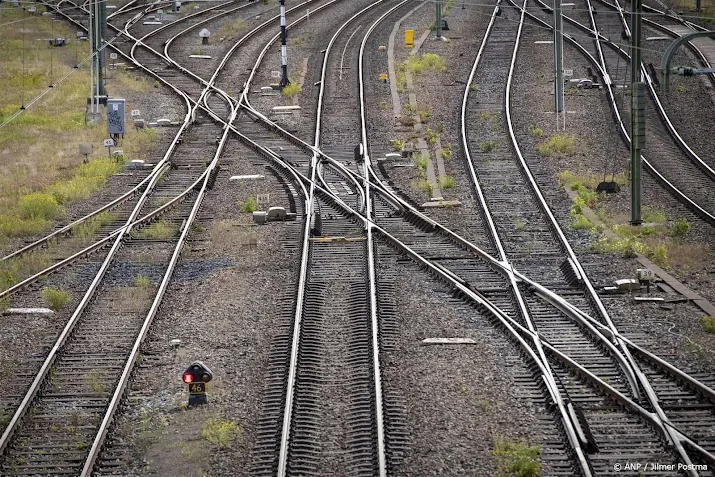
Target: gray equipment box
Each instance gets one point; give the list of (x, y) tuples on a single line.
[(115, 116)]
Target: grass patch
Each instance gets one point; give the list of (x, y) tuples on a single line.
[(538, 132), (38, 206), (446, 152), (446, 182), (397, 145), (518, 458), (291, 90), (708, 324), (38, 149), (159, 230), (431, 136), (681, 227), (140, 281), (487, 146), (231, 29), (401, 78), (474, 87), (424, 115), (559, 144), (220, 433), (55, 299), (428, 61), (425, 186), (87, 231)]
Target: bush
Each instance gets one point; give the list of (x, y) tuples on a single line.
[(291, 90), (249, 206), (220, 433), (681, 227), (431, 136), (397, 145), (446, 152), (38, 206), (708, 324), (54, 299)]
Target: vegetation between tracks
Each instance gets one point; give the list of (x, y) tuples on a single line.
[(40, 168), (659, 239), (517, 458)]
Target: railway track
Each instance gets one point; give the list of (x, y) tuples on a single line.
[(96, 356), (341, 207)]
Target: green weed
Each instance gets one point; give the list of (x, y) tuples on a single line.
[(708, 324), (431, 136), (55, 299), (141, 281), (681, 227), (397, 144), (560, 144), (538, 132), (249, 206), (425, 62), (291, 90), (220, 433), (446, 182), (518, 458), (159, 230), (487, 146)]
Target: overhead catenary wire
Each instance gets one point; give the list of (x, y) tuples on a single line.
[(618, 43)]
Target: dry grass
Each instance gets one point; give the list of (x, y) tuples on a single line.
[(39, 149)]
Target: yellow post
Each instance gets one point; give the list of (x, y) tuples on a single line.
[(409, 38)]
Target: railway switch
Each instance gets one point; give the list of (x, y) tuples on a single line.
[(196, 376)]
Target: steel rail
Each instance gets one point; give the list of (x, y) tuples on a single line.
[(259, 115), (441, 272), (669, 186), (302, 278), (89, 294), (243, 100), (694, 157), (374, 318), (674, 436), (133, 355), (570, 425), (515, 328)]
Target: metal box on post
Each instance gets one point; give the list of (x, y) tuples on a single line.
[(409, 38), (115, 116)]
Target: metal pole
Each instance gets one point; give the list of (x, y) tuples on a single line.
[(438, 20), (174, 6), (90, 30), (97, 36), (284, 53), (637, 112), (558, 62), (102, 10)]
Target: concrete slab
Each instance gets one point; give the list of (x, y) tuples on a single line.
[(442, 203), (28, 311), (429, 341)]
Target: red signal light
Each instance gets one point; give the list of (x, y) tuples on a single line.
[(188, 378)]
